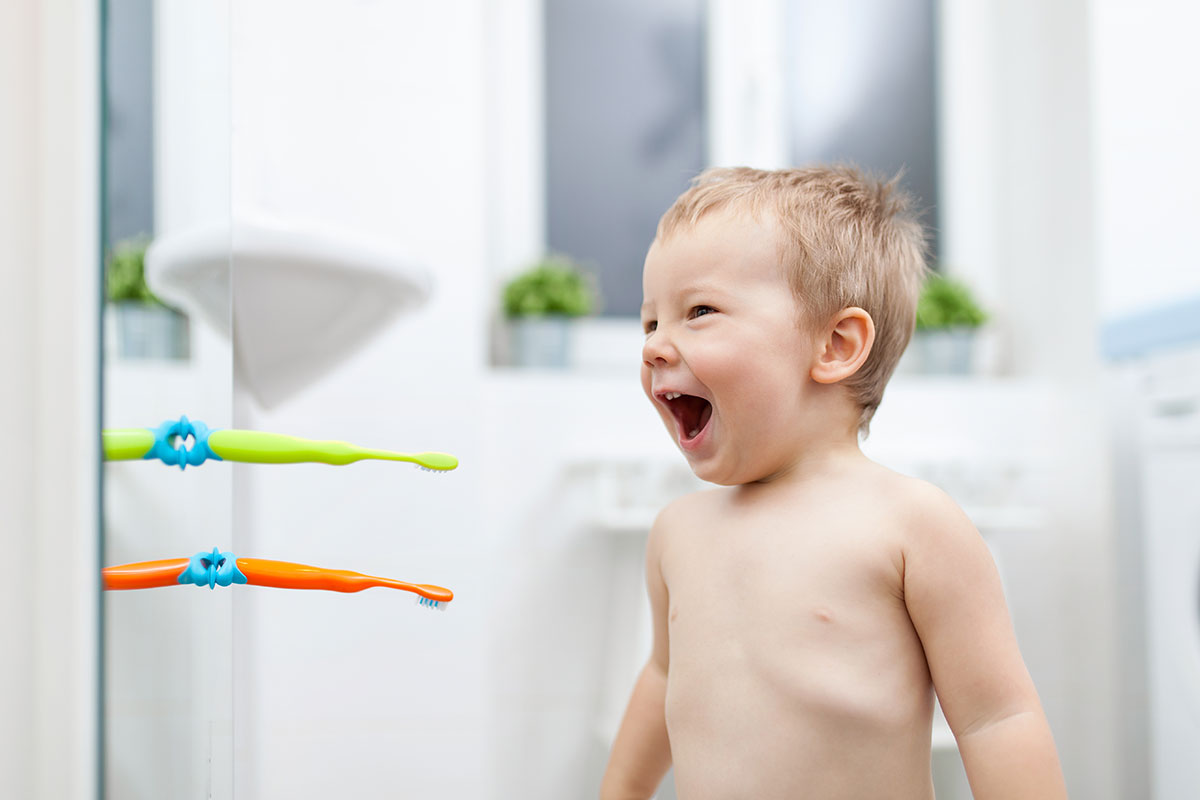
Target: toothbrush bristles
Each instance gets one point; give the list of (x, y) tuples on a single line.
[(436, 605)]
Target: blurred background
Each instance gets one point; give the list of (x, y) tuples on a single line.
[(421, 226)]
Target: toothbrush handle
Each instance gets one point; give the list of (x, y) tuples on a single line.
[(126, 444), (260, 447), (145, 574), (286, 575)]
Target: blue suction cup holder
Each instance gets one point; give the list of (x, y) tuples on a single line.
[(212, 570), (169, 439)]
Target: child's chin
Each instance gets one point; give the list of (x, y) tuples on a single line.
[(709, 473), (725, 475)]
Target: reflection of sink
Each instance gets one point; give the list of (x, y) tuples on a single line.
[(302, 300)]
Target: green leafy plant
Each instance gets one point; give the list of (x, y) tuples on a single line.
[(947, 303), (554, 285), (126, 272)]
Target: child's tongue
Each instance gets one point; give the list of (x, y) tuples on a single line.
[(693, 414)]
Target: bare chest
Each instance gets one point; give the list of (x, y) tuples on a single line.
[(806, 577), (793, 614)]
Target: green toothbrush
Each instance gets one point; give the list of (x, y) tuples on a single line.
[(168, 444)]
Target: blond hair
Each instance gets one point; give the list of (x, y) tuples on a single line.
[(848, 239)]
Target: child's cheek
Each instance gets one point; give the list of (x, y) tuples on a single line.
[(727, 362)]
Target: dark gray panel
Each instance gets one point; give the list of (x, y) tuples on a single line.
[(862, 88), (624, 130)]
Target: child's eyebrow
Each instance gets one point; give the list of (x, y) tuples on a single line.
[(689, 290)]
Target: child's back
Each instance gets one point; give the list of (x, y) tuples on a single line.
[(804, 613)]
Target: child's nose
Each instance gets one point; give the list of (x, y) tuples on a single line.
[(658, 350)]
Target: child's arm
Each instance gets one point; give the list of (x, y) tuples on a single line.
[(641, 753), (956, 603)]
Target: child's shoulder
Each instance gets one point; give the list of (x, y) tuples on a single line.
[(899, 487), (688, 506), (918, 504), (685, 513)]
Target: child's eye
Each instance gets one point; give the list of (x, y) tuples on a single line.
[(700, 311), (650, 327)]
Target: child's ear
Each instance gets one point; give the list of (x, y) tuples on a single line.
[(847, 343)]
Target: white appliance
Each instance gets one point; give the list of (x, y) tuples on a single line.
[(1169, 432)]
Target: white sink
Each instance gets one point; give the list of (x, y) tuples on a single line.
[(302, 300)]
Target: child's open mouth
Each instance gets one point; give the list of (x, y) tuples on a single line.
[(691, 413)]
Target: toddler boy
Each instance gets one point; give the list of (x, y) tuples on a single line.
[(805, 612)]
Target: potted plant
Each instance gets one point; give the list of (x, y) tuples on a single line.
[(947, 321), (539, 304), (145, 326)]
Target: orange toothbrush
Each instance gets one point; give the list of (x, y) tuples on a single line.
[(222, 569)]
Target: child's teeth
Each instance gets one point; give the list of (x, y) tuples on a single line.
[(693, 434)]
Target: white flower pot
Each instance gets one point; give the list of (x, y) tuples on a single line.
[(543, 342), (942, 352), (150, 331)]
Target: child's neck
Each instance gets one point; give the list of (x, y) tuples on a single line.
[(820, 457)]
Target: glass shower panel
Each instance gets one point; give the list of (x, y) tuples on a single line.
[(341, 187), (166, 652)]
